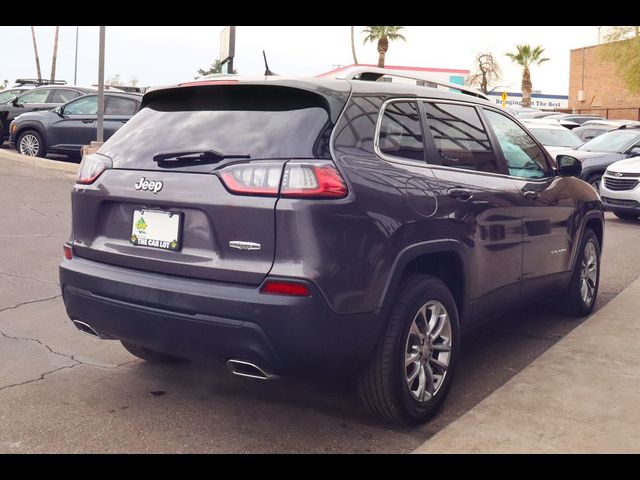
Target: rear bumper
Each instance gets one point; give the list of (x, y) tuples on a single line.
[(206, 321)]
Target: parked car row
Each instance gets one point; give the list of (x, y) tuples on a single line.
[(60, 119)]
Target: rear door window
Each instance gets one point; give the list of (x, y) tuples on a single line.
[(120, 106), (460, 137), (400, 132), (64, 96)]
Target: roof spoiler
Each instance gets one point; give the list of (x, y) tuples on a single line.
[(374, 73)]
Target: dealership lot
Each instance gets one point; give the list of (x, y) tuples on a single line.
[(61, 391)]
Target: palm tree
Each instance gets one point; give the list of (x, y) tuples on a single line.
[(526, 56), (383, 35), (35, 50), (55, 56), (353, 48)]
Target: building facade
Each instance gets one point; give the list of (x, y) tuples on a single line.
[(594, 87)]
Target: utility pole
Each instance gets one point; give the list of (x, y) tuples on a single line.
[(75, 71), (100, 123), (55, 56), (35, 50)]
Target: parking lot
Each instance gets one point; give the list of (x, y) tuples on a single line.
[(61, 391)]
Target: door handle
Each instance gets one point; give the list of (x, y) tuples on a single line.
[(459, 193), (531, 195), (88, 121)]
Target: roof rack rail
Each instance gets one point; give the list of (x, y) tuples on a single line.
[(374, 73), (34, 81)]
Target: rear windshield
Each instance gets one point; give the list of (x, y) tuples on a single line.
[(261, 121)]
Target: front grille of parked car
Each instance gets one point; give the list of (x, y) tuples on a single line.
[(621, 174), (620, 184), (619, 203)]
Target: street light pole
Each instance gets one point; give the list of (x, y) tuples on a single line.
[(100, 123), (75, 72)]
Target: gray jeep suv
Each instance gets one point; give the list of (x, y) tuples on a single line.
[(289, 226)]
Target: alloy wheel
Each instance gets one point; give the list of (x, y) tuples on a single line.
[(588, 273), (29, 145), (428, 351)]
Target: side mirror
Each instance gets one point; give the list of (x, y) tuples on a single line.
[(568, 166), (634, 152), (16, 102), (59, 111)]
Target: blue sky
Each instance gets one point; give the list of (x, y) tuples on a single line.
[(161, 55)]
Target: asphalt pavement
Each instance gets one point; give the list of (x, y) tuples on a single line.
[(62, 391)]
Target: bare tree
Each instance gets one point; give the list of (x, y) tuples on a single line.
[(35, 51), (487, 72), (353, 48), (55, 56)]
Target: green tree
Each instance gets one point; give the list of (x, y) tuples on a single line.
[(623, 49), (526, 56), (383, 35), (216, 67), (5, 84), (487, 72)]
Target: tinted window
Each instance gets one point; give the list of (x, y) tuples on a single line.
[(523, 156), (83, 106), (261, 121), (64, 96), (400, 133), (120, 106), (35, 96), (460, 137)]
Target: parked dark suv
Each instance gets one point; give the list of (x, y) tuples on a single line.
[(39, 98), (291, 226), (67, 128)]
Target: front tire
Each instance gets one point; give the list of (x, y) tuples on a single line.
[(581, 294), (594, 181), (150, 355), (626, 215), (411, 369), (30, 143)]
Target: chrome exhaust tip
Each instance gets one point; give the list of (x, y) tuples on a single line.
[(86, 328), (247, 369)]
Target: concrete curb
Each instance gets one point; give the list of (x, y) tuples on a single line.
[(38, 162), (580, 396)]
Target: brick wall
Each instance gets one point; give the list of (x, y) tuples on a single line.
[(602, 87)]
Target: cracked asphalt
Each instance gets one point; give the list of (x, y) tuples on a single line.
[(62, 391)]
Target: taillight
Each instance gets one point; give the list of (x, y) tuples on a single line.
[(278, 287), (301, 179), (312, 179), (92, 167), (253, 178), (68, 251)]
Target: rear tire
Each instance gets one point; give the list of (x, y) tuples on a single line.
[(421, 341), (626, 215), (581, 294), (150, 355)]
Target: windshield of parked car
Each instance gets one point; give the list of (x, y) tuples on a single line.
[(611, 142), (555, 137), (8, 96)]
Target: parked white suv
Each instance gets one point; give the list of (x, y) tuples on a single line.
[(619, 188)]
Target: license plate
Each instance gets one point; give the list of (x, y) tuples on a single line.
[(157, 229)]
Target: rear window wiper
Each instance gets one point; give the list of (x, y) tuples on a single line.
[(194, 157)]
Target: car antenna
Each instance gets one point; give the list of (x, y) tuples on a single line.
[(267, 72)]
